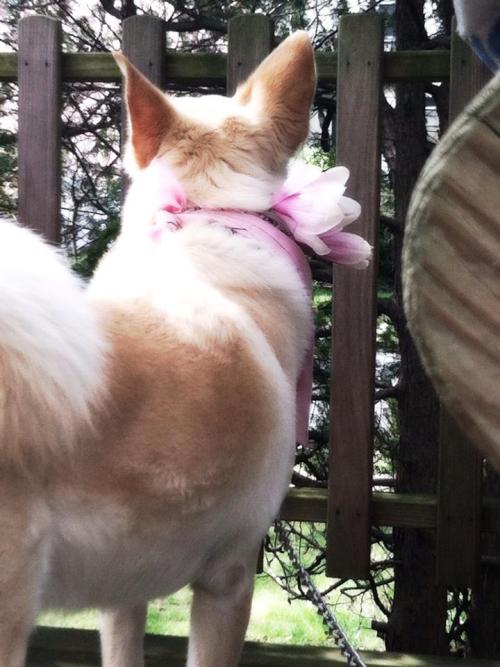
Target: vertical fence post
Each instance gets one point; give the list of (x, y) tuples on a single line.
[(144, 43), (460, 463), (359, 88), (250, 40), (39, 134)]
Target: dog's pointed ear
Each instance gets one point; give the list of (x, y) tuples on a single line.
[(150, 114), (282, 87)]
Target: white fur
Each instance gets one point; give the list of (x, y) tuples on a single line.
[(221, 188), (209, 284), (185, 275), (51, 350), (215, 109)]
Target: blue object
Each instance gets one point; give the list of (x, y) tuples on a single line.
[(488, 48)]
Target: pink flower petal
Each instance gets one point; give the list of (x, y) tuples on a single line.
[(315, 210), (312, 206), (300, 174), (314, 241), (351, 210), (348, 249)]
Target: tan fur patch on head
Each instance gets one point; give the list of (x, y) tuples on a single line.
[(235, 143), (228, 152)]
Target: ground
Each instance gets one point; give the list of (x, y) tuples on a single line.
[(273, 618)]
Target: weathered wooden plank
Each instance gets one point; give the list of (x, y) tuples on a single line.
[(460, 463), (210, 68), (250, 39), (144, 44), (187, 68), (468, 75), (8, 66), (404, 510), (387, 509), (305, 505), (39, 134), (354, 303), (63, 647), (459, 506), (416, 66)]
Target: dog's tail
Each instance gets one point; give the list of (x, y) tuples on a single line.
[(52, 353)]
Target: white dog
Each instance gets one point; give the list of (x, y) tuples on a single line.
[(147, 424)]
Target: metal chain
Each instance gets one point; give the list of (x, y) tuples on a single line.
[(346, 649)]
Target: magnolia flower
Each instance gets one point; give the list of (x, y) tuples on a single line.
[(312, 205)]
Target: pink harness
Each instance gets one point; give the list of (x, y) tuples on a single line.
[(310, 206)]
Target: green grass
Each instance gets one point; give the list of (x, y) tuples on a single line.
[(273, 618)]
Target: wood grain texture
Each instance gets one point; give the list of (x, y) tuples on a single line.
[(39, 134), (387, 509), (144, 44), (250, 41), (459, 506), (405, 510), (354, 302), (452, 292), (467, 75), (460, 463), (210, 68)]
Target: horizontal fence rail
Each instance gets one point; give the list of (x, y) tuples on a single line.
[(402, 510), (200, 69)]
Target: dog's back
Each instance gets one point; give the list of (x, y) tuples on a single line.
[(194, 339)]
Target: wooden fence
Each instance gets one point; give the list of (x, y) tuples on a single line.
[(360, 69)]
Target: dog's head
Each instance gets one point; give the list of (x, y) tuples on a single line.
[(226, 151)]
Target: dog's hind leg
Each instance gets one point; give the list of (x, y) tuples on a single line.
[(17, 612), (22, 566), (219, 617), (122, 636)]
